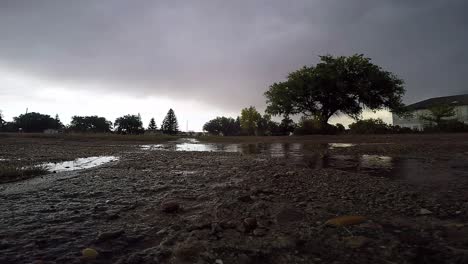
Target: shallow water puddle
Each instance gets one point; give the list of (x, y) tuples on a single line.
[(411, 169), (340, 145), (79, 164)]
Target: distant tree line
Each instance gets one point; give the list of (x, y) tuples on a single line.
[(128, 124), (250, 122)]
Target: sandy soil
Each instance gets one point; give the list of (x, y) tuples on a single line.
[(202, 207)]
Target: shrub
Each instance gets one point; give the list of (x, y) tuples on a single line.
[(314, 126), (451, 126), (370, 126)]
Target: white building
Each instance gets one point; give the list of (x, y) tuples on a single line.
[(459, 102)]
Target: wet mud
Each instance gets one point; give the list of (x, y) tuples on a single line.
[(168, 206)]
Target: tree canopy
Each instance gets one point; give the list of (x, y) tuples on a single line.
[(438, 114), (129, 124), (152, 124), (249, 120), (34, 122), (169, 124), (93, 124), (227, 126), (58, 123), (335, 85)]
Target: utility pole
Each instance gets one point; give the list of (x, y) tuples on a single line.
[(186, 129)]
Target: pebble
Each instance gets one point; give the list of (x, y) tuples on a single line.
[(424, 211), (250, 223), (170, 207), (356, 241), (110, 235)]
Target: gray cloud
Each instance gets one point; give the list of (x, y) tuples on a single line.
[(226, 53)]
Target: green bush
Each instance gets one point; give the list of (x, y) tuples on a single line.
[(370, 126), (313, 127)]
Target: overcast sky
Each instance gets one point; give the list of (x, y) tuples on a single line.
[(212, 58)]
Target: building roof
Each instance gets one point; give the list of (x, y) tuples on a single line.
[(454, 100)]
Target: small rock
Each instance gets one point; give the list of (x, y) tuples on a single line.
[(162, 232), (356, 241), (245, 199), (170, 207), (243, 259), (89, 253), (346, 220), (110, 235), (259, 232), (187, 252), (218, 261), (424, 211), (250, 223), (112, 215)]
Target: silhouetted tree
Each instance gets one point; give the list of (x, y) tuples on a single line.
[(336, 85), (129, 124), (152, 124), (249, 120), (222, 125), (169, 124), (2, 121), (287, 126), (34, 122), (94, 124), (58, 123), (438, 114)]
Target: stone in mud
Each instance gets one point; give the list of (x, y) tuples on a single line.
[(245, 199), (187, 252), (355, 242), (110, 235), (259, 232), (250, 223), (288, 215), (424, 211), (89, 253), (170, 207)]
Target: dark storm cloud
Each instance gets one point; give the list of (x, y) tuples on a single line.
[(226, 53)]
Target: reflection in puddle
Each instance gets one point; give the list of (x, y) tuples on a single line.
[(340, 145), (412, 169), (79, 164)]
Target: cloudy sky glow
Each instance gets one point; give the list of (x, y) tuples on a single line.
[(210, 58)]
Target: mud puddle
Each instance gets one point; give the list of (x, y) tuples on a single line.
[(78, 164), (403, 168)]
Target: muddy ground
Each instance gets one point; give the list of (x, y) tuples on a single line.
[(209, 207)]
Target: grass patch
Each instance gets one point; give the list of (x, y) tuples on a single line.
[(11, 172)]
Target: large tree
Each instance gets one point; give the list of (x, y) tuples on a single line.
[(152, 125), (249, 120), (34, 122), (129, 124), (438, 114), (336, 85), (169, 124), (226, 126), (58, 123), (94, 124)]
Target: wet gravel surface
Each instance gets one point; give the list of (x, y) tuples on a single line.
[(201, 207)]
